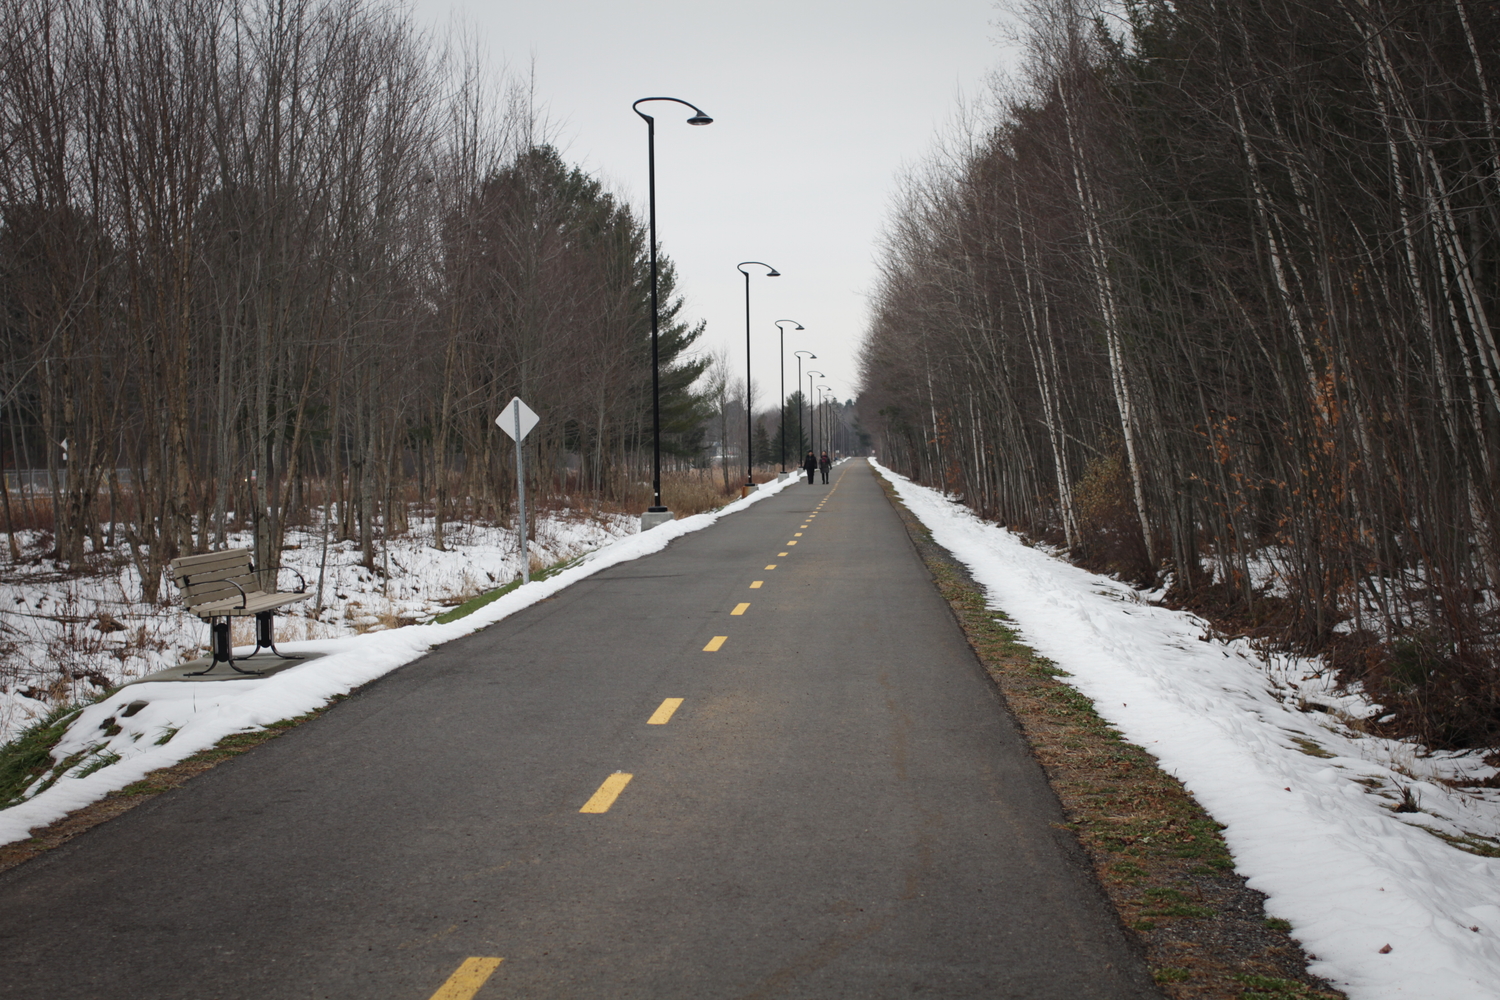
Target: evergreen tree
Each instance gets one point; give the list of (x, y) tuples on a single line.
[(763, 448)]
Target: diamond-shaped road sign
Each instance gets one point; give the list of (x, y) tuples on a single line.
[(517, 419)]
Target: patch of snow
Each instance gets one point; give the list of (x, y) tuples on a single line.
[(1264, 744)]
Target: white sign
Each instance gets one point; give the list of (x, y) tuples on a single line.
[(517, 413)]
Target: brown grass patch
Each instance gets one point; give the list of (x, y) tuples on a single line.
[(692, 491)]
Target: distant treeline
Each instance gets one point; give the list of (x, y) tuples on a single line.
[(1214, 291), (253, 247)]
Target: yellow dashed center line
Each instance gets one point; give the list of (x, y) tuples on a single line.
[(467, 979), (791, 543), (740, 609), (605, 797), (664, 712), (783, 554), (755, 585), (715, 643), (772, 566)]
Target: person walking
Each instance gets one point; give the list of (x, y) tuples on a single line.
[(825, 463), (810, 463)]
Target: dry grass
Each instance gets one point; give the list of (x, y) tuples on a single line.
[(692, 491)]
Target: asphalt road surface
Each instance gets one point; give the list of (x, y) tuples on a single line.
[(760, 764)]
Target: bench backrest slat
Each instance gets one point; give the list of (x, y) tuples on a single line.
[(218, 590), (205, 578), (209, 562)]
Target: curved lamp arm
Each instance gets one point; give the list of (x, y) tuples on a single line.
[(699, 118), (795, 325), (771, 272), (798, 354)]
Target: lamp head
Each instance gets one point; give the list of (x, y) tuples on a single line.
[(700, 119), (773, 273)]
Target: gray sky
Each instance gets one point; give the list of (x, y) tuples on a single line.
[(817, 106)]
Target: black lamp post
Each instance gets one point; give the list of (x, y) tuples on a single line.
[(781, 370), (811, 413), (699, 118), (771, 272), (827, 423), (810, 356)]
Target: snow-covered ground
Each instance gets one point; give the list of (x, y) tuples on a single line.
[(176, 719), (1384, 905), (53, 650)]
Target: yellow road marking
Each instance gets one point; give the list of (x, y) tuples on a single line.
[(467, 979), (715, 643), (664, 712), (772, 566), (740, 609), (791, 543), (607, 793), (783, 554), (755, 585), (796, 534)]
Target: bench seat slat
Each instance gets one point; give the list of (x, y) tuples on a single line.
[(255, 602)]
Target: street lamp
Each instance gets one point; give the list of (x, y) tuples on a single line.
[(810, 412), (827, 423), (810, 356), (781, 370), (699, 118), (771, 272)]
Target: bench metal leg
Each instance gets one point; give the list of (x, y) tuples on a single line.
[(223, 650), (265, 636)]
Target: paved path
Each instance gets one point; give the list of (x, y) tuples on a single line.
[(839, 807)]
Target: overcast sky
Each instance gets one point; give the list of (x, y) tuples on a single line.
[(817, 105)]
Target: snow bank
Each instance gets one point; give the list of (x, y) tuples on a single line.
[(180, 719), (1308, 803)]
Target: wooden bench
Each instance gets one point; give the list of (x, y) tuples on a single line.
[(218, 586)]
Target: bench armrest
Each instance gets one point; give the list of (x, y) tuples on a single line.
[(301, 582)]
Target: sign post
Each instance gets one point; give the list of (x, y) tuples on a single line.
[(517, 420)]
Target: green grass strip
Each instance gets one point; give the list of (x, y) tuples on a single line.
[(28, 757), (473, 604)]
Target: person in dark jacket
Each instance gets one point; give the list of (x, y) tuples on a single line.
[(825, 463), (810, 463)]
